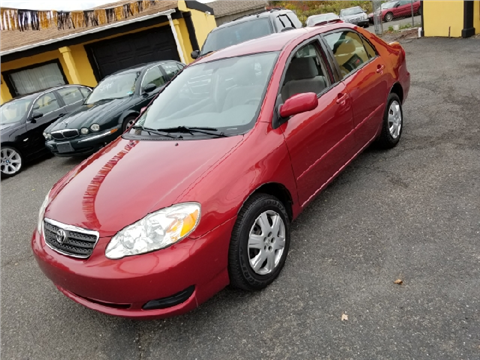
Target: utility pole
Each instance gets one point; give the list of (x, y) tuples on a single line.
[(413, 19)]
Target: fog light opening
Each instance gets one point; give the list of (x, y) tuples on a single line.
[(170, 301)]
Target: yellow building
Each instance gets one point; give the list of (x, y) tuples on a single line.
[(34, 60), (452, 18)]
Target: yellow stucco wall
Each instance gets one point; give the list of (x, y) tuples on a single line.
[(4, 92), (440, 17), (203, 23), (476, 16), (83, 65)]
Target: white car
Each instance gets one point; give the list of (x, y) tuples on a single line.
[(321, 18)]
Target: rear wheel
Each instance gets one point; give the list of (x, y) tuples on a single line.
[(10, 161), (389, 17), (419, 12), (259, 243), (392, 123)]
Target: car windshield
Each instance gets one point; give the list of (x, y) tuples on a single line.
[(15, 110), (312, 20), (223, 95), (237, 33), (388, 5), (114, 87), (351, 11)]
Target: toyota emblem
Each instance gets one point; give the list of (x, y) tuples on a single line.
[(61, 236)]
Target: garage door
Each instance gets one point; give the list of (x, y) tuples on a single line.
[(125, 51)]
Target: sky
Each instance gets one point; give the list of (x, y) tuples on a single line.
[(57, 4)]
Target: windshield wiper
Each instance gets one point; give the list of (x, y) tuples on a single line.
[(151, 131), (192, 130)]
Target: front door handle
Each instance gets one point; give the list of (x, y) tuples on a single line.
[(61, 115), (341, 98), (380, 68)]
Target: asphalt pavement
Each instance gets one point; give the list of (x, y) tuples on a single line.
[(411, 213)]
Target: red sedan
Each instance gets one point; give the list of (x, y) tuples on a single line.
[(398, 9), (201, 191)]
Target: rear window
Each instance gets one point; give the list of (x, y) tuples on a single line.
[(237, 33)]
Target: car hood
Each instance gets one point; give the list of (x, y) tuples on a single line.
[(96, 113), (128, 179)]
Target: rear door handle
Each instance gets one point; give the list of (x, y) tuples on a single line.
[(341, 98), (380, 68), (61, 115)]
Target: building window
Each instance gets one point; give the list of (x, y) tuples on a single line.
[(35, 78)]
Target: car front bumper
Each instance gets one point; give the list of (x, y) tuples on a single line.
[(177, 278), (83, 144)]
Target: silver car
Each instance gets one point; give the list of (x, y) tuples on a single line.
[(355, 15)]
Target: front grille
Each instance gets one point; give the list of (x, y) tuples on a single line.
[(69, 240), (65, 134)]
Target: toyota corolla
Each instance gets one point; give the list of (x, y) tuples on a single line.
[(200, 192)]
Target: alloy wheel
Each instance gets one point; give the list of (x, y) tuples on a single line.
[(394, 119), (266, 242), (10, 161)]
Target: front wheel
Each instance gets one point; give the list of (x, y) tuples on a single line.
[(259, 243), (392, 123), (388, 17), (10, 161), (128, 122)]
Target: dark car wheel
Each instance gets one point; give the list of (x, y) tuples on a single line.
[(389, 17), (10, 161), (259, 243), (129, 120), (419, 12), (392, 123)]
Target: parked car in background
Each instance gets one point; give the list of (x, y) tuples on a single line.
[(110, 109), (248, 28), (201, 191), (24, 119), (397, 9), (321, 18), (355, 15)]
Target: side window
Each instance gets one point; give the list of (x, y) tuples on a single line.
[(46, 104), (153, 76), (70, 95), (348, 49), (305, 73), (85, 92), (369, 48), (282, 22), (171, 69)]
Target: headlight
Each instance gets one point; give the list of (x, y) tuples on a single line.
[(84, 131), (47, 136), (95, 127), (155, 231), (364, 16), (41, 213)]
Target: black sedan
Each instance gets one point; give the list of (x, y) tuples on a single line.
[(23, 120), (110, 109)]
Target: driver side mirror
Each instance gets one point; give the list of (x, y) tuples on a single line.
[(149, 88), (195, 54), (397, 5), (298, 104), (35, 115)]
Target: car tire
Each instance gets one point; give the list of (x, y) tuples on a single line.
[(392, 125), (388, 17), (419, 12), (259, 244), (11, 161), (127, 122)]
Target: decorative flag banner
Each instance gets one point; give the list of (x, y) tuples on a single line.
[(24, 19)]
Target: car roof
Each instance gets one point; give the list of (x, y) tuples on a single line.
[(273, 42), (140, 67), (264, 14)]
